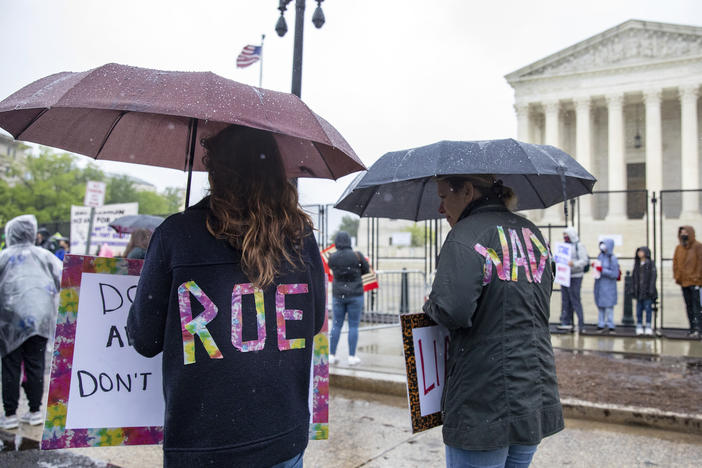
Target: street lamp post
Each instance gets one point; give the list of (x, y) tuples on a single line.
[(281, 28)]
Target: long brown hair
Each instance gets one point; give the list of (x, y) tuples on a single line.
[(253, 206), (139, 238)]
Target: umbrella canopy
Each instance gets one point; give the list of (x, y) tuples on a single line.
[(130, 223), (155, 117), (401, 184)]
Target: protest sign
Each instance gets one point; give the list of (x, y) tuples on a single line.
[(425, 345), (562, 255), (319, 385), (102, 232), (102, 392), (95, 193)]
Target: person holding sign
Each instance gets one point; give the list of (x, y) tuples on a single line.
[(30, 278), (233, 292), (578, 263), (492, 291), (606, 286)]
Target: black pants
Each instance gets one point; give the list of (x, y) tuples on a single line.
[(31, 352), (691, 294)]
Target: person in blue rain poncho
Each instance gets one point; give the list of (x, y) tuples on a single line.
[(29, 283), (606, 286)]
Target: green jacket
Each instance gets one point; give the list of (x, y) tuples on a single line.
[(492, 290)]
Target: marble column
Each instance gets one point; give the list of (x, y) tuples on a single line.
[(616, 164), (522, 111), (582, 146), (551, 136), (553, 215), (654, 141), (689, 157)]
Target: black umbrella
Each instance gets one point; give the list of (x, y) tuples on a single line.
[(401, 184), (130, 223)]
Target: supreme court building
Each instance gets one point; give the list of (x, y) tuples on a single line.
[(625, 104)]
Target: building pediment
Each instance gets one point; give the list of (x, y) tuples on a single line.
[(631, 44)]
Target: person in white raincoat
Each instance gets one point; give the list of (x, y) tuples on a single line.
[(30, 279)]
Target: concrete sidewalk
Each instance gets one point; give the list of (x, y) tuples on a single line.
[(370, 420), (372, 430)]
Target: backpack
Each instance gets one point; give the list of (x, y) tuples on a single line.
[(586, 268)]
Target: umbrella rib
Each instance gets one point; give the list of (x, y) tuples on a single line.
[(535, 191), (419, 199), (32, 122), (314, 144), (114, 124)]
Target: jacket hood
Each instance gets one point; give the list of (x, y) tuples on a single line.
[(609, 246), (572, 234), (691, 234), (21, 230), (646, 251), (342, 240)]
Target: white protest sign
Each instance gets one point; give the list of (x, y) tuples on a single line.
[(562, 275), (111, 384), (430, 351), (562, 255), (102, 232), (596, 273), (95, 193), (562, 252)]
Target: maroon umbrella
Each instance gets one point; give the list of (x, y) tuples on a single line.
[(155, 117)]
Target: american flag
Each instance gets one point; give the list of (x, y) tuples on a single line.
[(249, 55)]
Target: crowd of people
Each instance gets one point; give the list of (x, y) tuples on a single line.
[(249, 237), (606, 269)]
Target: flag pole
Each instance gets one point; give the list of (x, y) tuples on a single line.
[(260, 65)]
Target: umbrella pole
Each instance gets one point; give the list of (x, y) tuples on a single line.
[(191, 158)]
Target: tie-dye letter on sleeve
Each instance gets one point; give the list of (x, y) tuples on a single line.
[(283, 314), (237, 318), (198, 326), (536, 271)]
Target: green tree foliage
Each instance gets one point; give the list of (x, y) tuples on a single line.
[(48, 184), (418, 234), (120, 189), (348, 224)]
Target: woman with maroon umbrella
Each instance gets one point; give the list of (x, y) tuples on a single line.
[(232, 292)]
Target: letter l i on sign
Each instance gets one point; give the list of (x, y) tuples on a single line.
[(94, 197)]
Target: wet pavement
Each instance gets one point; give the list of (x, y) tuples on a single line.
[(373, 429), (370, 430)]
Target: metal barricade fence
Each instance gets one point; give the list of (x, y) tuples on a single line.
[(399, 292)]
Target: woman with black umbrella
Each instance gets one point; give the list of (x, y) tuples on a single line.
[(492, 291)]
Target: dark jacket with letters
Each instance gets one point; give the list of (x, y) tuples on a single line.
[(492, 290), (236, 370)]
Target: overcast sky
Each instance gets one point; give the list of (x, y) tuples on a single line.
[(388, 74)]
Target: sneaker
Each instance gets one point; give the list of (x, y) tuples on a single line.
[(353, 360), (693, 334), (649, 331), (9, 422), (33, 419), (639, 330), (332, 359), (611, 331), (564, 327)]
